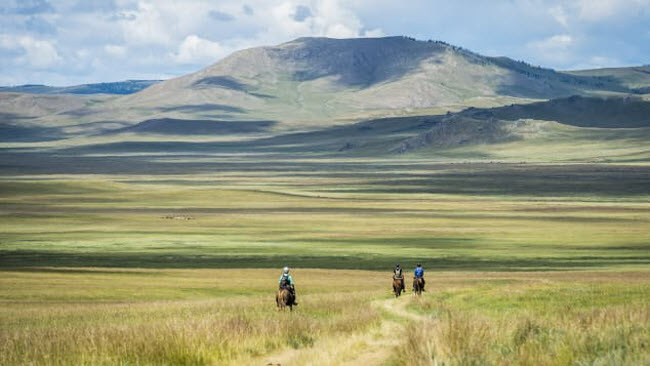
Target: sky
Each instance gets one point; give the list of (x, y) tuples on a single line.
[(68, 42)]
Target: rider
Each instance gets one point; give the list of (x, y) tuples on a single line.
[(286, 281), (397, 274), (419, 273)]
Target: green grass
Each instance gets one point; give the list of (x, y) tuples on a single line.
[(526, 263), (589, 318), (482, 217), (200, 316)]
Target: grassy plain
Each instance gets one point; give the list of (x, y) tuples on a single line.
[(527, 263)]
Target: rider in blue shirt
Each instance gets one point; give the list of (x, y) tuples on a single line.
[(419, 273), (286, 281)]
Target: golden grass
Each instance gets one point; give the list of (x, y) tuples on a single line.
[(79, 330), (203, 317), (594, 318)]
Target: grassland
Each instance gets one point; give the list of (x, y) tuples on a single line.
[(158, 316), (577, 319), (151, 264)]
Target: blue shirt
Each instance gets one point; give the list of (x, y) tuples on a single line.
[(419, 272)]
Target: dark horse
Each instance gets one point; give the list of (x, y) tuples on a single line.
[(418, 285), (398, 286), (283, 299)]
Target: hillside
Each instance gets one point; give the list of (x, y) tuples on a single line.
[(118, 87), (348, 97), (636, 78), (319, 81)]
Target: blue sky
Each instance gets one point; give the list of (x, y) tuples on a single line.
[(65, 42)]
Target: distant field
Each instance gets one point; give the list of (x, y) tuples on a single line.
[(328, 215), (140, 264)]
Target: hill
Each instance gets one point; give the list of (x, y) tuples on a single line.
[(636, 78), (318, 81), (348, 97), (118, 87)]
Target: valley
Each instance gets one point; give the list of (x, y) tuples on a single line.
[(151, 227)]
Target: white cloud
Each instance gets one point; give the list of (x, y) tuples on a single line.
[(195, 49), (147, 25), (559, 14), (115, 50), (559, 42), (377, 32), (556, 49), (594, 10), (171, 37), (36, 53)]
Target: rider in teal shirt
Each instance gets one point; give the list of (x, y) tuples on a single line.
[(287, 281)]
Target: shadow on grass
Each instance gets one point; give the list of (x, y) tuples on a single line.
[(26, 259)]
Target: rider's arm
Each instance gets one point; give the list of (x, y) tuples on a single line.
[(291, 280)]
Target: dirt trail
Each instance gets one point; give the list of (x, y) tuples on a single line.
[(373, 347)]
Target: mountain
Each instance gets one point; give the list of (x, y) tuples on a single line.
[(636, 78), (317, 81), (349, 97), (119, 87)]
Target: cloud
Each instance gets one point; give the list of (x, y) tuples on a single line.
[(36, 53), (559, 14), (79, 40), (115, 50), (149, 26), (302, 13), (595, 10), (195, 49), (374, 33), (89, 6), (221, 16), (555, 49), (26, 7), (39, 25)]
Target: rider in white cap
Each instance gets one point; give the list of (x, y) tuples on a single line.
[(286, 281)]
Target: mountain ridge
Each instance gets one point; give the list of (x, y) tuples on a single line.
[(115, 87), (319, 80), (347, 97)]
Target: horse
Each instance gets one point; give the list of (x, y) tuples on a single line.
[(418, 285), (398, 286), (283, 299)]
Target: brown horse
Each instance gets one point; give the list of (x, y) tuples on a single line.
[(398, 286), (283, 299), (418, 285)]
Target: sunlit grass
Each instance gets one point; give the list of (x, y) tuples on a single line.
[(93, 316), (182, 269), (597, 318)]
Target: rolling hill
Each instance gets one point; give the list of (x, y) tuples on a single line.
[(118, 87), (635, 78), (344, 97), (317, 81)]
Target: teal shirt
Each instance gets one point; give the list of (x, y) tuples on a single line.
[(289, 278)]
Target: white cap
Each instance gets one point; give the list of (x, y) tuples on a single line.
[(286, 269)]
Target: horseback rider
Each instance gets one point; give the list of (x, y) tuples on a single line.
[(286, 281), (397, 274), (419, 273)]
